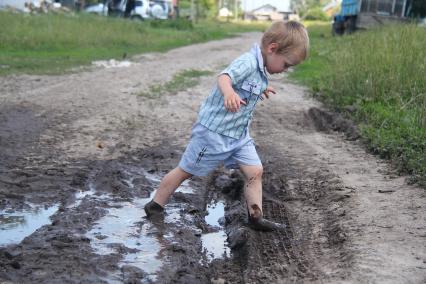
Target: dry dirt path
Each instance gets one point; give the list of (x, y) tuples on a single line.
[(81, 153)]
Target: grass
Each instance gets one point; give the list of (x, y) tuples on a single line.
[(380, 74), (53, 44), (180, 82)]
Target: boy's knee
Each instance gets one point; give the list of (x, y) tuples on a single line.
[(255, 173), (258, 171)]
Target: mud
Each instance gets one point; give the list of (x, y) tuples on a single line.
[(82, 153)]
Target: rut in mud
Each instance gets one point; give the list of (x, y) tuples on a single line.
[(82, 153)]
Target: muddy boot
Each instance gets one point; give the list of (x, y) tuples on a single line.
[(154, 211), (257, 222)]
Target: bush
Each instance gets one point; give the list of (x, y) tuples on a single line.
[(316, 14)]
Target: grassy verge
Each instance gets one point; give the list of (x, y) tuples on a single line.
[(380, 76), (52, 44), (180, 82)]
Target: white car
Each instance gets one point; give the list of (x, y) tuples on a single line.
[(145, 9), (99, 9), (139, 9)]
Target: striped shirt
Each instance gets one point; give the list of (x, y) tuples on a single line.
[(249, 80)]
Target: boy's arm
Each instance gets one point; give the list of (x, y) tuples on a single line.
[(232, 100)]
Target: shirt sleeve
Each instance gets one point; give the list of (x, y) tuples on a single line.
[(239, 69)]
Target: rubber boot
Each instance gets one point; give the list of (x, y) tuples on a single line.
[(154, 211), (257, 222)]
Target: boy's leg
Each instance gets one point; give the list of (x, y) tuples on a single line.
[(168, 185), (253, 196), (253, 188)]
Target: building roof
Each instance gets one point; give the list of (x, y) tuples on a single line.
[(263, 7)]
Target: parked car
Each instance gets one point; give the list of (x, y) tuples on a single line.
[(98, 9), (139, 9)]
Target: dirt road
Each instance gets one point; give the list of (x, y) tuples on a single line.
[(82, 153)]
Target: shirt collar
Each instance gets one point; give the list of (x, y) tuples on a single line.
[(255, 50)]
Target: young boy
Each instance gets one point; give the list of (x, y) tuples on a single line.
[(221, 133)]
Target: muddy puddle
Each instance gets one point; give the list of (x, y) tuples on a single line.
[(121, 230), (214, 243), (125, 230), (125, 233), (15, 225)]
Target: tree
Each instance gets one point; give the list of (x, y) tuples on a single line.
[(302, 6)]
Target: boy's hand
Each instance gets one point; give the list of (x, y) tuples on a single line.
[(233, 102), (268, 91)]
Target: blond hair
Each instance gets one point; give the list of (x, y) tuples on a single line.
[(290, 36)]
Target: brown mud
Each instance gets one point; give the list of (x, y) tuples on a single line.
[(82, 153)]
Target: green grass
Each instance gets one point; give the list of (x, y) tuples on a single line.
[(52, 44), (381, 73), (180, 82)]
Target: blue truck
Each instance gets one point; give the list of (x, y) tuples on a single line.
[(361, 14)]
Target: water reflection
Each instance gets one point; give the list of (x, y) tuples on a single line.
[(15, 225)]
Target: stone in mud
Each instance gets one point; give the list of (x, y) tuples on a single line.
[(221, 221), (122, 249), (101, 237)]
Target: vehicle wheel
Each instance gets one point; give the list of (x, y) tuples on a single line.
[(157, 11), (350, 25), (337, 29)]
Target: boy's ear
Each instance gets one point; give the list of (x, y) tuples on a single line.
[(272, 47)]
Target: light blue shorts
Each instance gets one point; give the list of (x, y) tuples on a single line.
[(207, 150)]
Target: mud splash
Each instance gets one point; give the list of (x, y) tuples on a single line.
[(16, 225)]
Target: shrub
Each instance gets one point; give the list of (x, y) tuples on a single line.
[(316, 14)]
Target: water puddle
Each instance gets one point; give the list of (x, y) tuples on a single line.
[(112, 63), (16, 225), (79, 196), (215, 244), (122, 226)]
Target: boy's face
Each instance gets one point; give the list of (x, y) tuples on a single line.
[(278, 63)]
